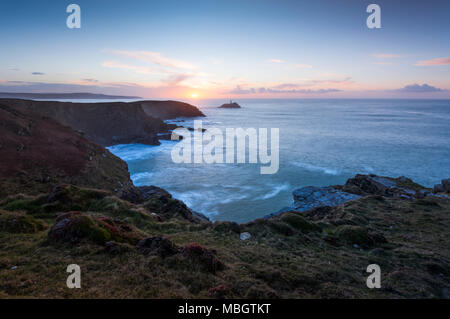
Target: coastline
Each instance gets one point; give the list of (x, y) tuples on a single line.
[(155, 246)]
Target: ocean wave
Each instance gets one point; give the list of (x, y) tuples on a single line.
[(141, 178), (133, 152), (313, 168), (275, 191)]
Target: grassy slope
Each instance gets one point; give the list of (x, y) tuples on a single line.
[(286, 257)]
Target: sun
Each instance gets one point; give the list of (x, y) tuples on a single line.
[(194, 95)]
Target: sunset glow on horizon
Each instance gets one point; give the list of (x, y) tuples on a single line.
[(288, 49)]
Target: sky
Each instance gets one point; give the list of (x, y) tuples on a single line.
[(227, 49)]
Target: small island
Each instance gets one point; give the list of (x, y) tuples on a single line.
[(231, 105)]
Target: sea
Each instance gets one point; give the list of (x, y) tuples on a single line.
[(321, 142)]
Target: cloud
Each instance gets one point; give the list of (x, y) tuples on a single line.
[(281, 88), (417, 88), (347, 79), (155, 58), (37, 73), (90, 80), (303, 66), (434, 62), (135, 68), (276, 61), (177, 79), (386, 56), (239, 90)]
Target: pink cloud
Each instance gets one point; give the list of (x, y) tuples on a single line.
[(438, 61), (276, 61), (386, 56), (155, 58)]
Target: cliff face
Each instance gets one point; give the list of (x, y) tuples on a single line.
[(169, 109), (113, 122), (37, 153)]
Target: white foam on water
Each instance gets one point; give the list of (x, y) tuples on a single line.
[(275, 190), (314, 168)]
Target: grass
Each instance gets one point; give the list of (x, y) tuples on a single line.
[(308, 255)]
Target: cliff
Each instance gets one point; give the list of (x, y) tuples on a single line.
[(64, 198), (37, 153), (71, 96), (112, 122)]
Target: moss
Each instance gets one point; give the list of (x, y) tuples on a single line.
[(18, 222), (354, 235), (299, 223)]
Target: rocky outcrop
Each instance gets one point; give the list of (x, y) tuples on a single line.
[(231, 105), (166, 110), (38, 153), (112, 122), (443, 187), (310, 197)]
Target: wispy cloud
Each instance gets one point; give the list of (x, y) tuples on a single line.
[(417, 88), (275, 61), (135, 68), (37, 73), (90, 80), (303, 66), (155, 58), (387, 56), (434, 62), (286, 88)]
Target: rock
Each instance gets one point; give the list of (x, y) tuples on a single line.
[(400, 187), (161, 202), (231, 105), (310, 197), (438, 188), (446, 185), (368, 184), (203, 256), (157, 245), (245, 236)]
